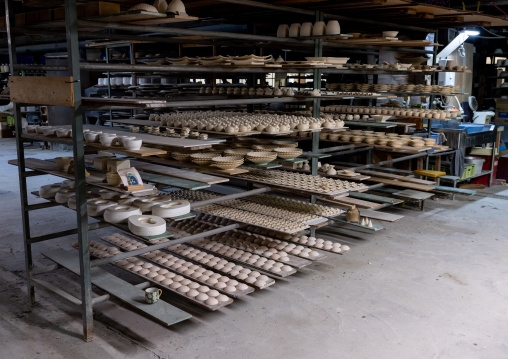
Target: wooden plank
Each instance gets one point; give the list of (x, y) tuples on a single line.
[(160, 140), (401, 184), (95, 179), (358, 202), (409, 193), (169, 19), (42, 90), (375, 198), (455, 190), (129, 16), (162, 312), (172, 181), (397, 177), (143, 151), (381, 216), (178, 173)]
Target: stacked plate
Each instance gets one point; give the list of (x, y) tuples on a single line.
[(180, 156), (261, 158), (365, 87), (237, 152), (202, 158), (226, 162), (288, 153), (285, 144)]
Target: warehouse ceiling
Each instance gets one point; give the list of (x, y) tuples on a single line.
[(431, 13)]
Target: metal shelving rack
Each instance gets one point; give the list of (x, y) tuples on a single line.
[(86, 302)]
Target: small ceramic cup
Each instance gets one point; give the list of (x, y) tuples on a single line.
[(152, 295), (319, 28), (306, 29), (283, 30), (294, 30)]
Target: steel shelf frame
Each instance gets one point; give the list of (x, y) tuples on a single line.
[(72, 25)]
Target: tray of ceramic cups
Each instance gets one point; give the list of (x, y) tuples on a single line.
[(319, 243), (192, 291), (296, 216), (300, 182), (234, 122), (249, 242), (237, 241), (233, 240), (188, 270), (240, 273), (208, 261), (277, 244), (256, 219), (269, 266), (222, 283), (249, 259), (196, 293)]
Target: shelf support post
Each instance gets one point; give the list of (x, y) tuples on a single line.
[(9, 18), (71, 26), (316, 103)]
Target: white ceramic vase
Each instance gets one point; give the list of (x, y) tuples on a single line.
[(294, 30), (333, 28), (306, 29), (319, 28), (283, 30)]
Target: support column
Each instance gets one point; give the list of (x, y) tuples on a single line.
[(9, 18), (71, 25)]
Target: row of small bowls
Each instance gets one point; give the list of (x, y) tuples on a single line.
[(130, 143)]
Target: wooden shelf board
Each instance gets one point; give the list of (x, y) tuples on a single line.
[(134, 297)]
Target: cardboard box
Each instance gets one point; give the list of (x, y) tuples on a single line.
[(101, 8), (32, 17), (45, 15), (7, 132), (19, 19), (118, 164), (59, 12), (501, 110)]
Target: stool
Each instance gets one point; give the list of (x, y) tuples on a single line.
[(430, 173)]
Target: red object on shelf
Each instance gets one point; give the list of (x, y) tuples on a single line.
[(484, 180), (502, 168)]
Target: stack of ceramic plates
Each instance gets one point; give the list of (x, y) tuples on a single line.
[(227, 163), (237, 152), (288, 153), (202, 158), (261, 158), (179, 156)]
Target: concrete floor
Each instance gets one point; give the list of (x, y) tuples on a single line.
[(432, 285)]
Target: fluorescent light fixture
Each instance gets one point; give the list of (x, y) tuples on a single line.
[(472, 32)]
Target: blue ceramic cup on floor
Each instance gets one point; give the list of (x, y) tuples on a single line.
[(152, 295)]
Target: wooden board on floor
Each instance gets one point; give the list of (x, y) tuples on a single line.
[(163, 312), (381, 216), (358, 202), (402, 184), (397, 177), (178, 173), (456, 190), (409, 193), (376, 198)]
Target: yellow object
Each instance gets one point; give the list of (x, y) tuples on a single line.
[(429, 173)]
